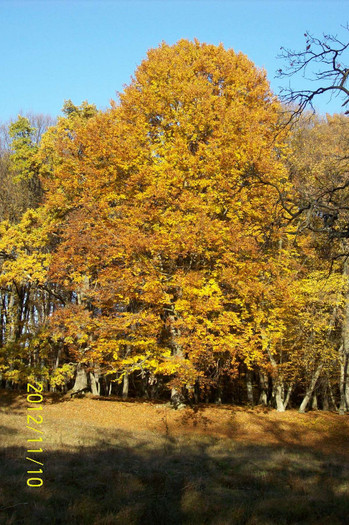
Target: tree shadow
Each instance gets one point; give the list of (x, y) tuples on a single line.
[(14, 399), (127, 478), (8, 431)]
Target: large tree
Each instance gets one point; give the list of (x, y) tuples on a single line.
[(171, 227)]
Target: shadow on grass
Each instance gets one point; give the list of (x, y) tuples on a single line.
[(14, 400), (123, 478), (8, 431)]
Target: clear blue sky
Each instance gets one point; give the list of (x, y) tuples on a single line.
[(56, 50)]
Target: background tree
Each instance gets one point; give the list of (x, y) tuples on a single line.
[(19, 168), (321, 200), (325, 61)]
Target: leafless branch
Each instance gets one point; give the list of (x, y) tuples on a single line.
[(320, 61)]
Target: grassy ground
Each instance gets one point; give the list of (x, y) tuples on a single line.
[(139, 463)]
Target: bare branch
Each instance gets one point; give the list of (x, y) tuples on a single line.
[(313, 63)]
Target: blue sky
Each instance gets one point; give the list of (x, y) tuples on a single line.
[(51, 50)]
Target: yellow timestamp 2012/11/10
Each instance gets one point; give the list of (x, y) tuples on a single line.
[(34, 399)]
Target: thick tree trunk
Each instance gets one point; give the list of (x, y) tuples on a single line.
[(325, 398), (177, 399), (310, 389), (278, 386), (125, 379), (278, 393), (94, 380), (263, 396), (332, 398), (80, 383)]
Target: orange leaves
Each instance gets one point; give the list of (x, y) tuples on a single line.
[(165, 214), (163, 231)]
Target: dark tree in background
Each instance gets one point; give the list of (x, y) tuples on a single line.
[(324, 62), (321, 200)]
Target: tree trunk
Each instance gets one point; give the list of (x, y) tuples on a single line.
[(278, 393), (2, 318), (218, 394), (125, 386), (125, 379), (177, 398), (310, 389), (249, 387), (344, 353), (56, 365), (278, 387), (288, 395), (94, 380), (80, 383), (325, 402), (325, 397), (333, 401), (197, 393), (263, 396)]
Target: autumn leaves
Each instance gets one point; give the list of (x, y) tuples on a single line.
[(162, 248), (171, 221)]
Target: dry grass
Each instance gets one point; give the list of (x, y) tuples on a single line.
[(138, 463)]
